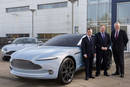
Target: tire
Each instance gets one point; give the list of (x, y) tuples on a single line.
[(66, 71)]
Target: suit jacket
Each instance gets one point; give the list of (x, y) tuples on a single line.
[(100, 42), (87, 46), (119, 43)]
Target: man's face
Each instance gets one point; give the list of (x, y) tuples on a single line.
[(89, 32), (102, 29), (117, 26)]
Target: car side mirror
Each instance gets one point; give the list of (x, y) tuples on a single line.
[(9, 42), (40, 43)]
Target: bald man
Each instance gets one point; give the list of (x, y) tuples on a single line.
[(119, 40)]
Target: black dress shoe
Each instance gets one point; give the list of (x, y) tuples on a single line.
[(92, 77), (86, 78), (106, 74), (97, 75), (122, 75), (115, 74)]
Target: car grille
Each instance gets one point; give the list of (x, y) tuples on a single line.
[(24, 64), (10, 52)]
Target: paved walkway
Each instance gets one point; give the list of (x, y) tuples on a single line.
[(8, 80)]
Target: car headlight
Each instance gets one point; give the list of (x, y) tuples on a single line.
[(4, 49), (47, 58)]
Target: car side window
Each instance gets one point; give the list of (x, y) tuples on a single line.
[(80, 41)]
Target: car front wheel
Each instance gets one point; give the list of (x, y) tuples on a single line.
[(66, 71)]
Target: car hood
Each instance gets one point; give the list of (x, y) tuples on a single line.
[(16, 47), (42, 52)]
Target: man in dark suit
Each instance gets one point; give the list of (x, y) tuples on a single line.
[(102, 46), (88, 51), (119, 41)]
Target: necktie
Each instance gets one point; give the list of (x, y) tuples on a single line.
[(116, 34), (103, 35), (89, 38)]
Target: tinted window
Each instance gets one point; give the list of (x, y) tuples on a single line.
[(24, 40), (17, 9), (52, 5), (29, 40), (64, 40), (18, 41)]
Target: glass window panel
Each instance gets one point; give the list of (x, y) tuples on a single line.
[(103, 12), (99, 12), (92, 10), (121, 9), (52, 5), (17, 9)]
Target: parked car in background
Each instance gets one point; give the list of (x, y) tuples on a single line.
[(18, 44), (59, 58)]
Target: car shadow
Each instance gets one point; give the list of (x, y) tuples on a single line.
[(33, 82), (80, 74), (39, 82), (47, 83)]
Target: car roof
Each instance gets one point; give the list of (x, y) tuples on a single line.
[(64, 40), (71, 35)]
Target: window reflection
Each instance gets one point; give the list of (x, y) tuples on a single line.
[(121, 9), (52, 5), (99, 12), (17, 9)]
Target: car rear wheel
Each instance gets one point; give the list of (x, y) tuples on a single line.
[(66, 71)]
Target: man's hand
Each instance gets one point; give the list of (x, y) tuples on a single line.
[(94, 54), (85, 56), (103, 48)]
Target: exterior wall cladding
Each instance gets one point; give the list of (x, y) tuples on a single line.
[(47, 19)]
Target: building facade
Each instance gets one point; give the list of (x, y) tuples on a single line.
[(48, 18)]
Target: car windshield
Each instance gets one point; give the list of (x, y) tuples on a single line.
[(24, 41), (64, 40)]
